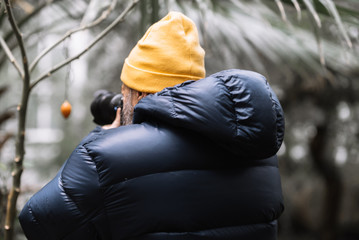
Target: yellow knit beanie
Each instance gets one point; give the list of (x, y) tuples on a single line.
[(168, 54)]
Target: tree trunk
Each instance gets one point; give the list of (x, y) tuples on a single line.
[(333, 184)]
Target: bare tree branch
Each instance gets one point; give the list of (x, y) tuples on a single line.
[(4, 139), (21, 22), (11, 57), (19, 39), (6, 116), (22, 109), (20, 136), (110, 7), (1, 11), (29, 16), (104, 15), (119, 19), (68, 8)]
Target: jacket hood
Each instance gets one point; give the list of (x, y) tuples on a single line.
[(236, 109)]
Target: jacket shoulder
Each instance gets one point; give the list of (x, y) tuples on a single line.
[(147, 148), (65, 204)]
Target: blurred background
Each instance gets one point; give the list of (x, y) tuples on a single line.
[(307, 49)]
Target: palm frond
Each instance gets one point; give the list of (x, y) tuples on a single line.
[(281, 9), (330, 6), (310, 6), (298, 9), (256, 34)]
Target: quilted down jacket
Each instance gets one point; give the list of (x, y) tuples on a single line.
[(199, 162)]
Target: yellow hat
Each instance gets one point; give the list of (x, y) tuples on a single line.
[(168, 54)]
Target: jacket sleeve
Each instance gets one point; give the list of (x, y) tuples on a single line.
[(64, 208)]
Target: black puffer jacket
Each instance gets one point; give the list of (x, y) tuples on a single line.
[(199, 163)]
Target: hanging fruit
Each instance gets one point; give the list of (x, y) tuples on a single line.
[(66, 109)]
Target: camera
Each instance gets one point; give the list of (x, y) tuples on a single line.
[(105, 105)]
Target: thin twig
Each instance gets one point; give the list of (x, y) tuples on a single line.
[(103, 16), (119, 19), (11, 57)]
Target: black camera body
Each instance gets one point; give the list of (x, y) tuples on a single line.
[(105, 105)]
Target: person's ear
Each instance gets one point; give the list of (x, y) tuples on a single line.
[(141, 95)]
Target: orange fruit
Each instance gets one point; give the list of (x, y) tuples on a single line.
[(66, 109)]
